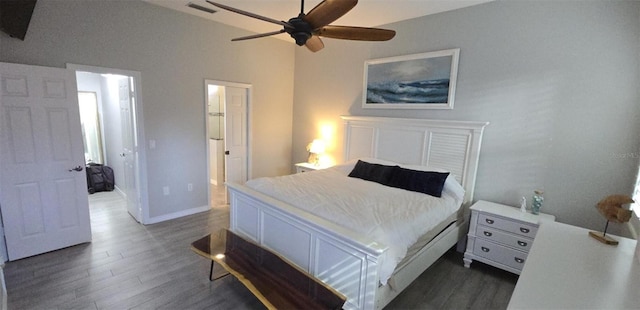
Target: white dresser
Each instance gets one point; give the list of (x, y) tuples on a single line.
[(501, 235), (567, 269)]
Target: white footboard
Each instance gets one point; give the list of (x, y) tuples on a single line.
[(346, 261)]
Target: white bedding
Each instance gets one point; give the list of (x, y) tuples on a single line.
[(393, 217)]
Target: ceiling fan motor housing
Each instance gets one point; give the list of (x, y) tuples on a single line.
[(301, 30)]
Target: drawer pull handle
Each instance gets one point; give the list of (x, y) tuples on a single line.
[(522, 243), (488, 234), (519, 260), (524, 230), (490, 221), (485, 249)]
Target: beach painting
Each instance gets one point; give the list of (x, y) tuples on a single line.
[(418, 81)]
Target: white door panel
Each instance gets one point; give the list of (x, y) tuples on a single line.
[(43, 199), (236, 134), (128, 147)]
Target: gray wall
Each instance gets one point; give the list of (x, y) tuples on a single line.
[(175, 53), (558, 80)]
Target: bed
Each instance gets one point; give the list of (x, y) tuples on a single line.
[(352, 262)]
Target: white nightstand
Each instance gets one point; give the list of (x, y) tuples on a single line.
[(501, 235), (306, 167)]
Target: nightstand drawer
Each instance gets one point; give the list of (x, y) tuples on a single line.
[(507, 225), (515, 241), (500, 254)]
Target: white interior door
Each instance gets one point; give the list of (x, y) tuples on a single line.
[(235, 140), (43, 190), (128, 154)]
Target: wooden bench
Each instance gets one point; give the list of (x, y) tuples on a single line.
[(277, 283)]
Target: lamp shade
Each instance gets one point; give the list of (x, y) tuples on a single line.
[(317, 147)]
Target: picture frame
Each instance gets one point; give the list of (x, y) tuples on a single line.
[(417, 81)]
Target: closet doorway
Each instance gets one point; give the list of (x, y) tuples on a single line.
[(112, 104), (227, 106)]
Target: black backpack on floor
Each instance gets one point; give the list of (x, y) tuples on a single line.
[(99, 178)]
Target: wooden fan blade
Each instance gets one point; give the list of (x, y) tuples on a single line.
[(355, 33), (245, 13), (261, 35), (314, 44), (328, 11)]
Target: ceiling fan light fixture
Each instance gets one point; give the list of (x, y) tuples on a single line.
[(300, 37), (301, 31)]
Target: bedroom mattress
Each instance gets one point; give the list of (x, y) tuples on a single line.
[(397, 218)]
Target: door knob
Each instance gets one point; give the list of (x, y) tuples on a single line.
[(79, 168), (226, 152)]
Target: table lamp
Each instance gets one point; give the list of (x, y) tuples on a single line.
[(315, 148), (611, 208)]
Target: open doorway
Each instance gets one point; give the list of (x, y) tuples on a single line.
[(227, 106), (113, 128)]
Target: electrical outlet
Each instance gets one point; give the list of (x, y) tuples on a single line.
[(190, 187), (165, 190)]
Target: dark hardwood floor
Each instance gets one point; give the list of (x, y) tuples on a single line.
[(131, 266)]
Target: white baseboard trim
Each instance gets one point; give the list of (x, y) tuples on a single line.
[(175, 215), (117, 189)]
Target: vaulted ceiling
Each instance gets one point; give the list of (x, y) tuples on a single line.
[(368, 13)]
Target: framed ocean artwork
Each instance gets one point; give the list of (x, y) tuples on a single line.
[(418, 81)]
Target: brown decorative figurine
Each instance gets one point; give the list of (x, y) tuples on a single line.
[(611, 208)]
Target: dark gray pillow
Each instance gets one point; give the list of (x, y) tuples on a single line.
[(428, 182), (372, 172)]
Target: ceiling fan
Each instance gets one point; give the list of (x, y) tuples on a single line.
[(307, 29)]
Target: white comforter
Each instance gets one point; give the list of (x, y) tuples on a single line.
[(393, 217)]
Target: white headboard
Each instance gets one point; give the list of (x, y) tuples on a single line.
[(450, 145)]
